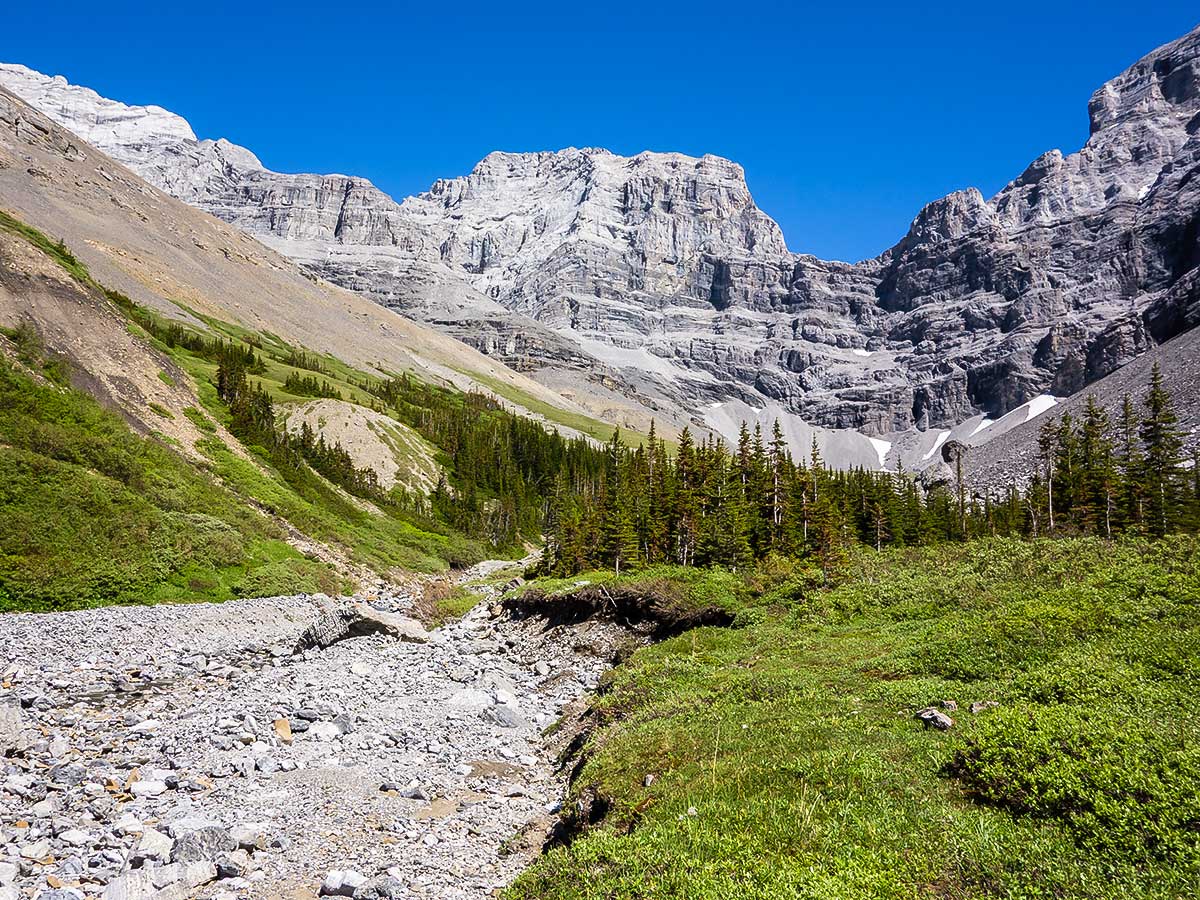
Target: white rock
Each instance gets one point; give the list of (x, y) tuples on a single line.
[(470, 698), (148, 788), (341, 883), (325, 731), (36, 850), (152, 845), (75, 838)]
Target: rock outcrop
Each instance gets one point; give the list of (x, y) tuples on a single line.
[(358, 620), (659, 271)]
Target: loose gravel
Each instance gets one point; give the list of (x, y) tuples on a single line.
[(186, 751)]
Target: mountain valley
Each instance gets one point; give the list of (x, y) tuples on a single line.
[(561, 532)]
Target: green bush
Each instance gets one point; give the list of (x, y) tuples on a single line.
[(291, 576), (1125, 787)]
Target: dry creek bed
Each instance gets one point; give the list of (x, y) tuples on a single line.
[(187, 751)]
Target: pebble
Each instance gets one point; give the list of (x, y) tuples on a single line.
[(148, 788), (152, 846), (341, 883)]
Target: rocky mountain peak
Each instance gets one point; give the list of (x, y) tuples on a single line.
[(952, 217), (1164, 81), (127, 133)]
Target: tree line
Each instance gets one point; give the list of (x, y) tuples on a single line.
[(310, 386), (709, 504), (500, 467), (174, 334), (1103, 473)]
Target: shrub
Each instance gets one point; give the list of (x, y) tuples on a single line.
[(1122, 786), (291, 576)]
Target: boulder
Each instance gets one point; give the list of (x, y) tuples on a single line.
[(152, 846), (355, 620), (341, 883), (203, 844), (932, 717), (384, 887)]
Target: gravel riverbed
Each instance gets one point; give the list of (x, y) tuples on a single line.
[(186, 751)]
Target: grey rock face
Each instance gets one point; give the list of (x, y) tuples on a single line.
[(660, 270)]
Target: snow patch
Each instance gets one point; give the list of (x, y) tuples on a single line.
[(882, 447), (983, 423), (937, 445), (1039, 405), (858, 351)]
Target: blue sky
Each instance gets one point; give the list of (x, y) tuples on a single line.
[(847, 117)]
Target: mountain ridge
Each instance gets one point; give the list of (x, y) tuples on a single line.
[(658, 278)]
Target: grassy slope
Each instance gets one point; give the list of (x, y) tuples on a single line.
[(380, 541), (92, 512), (787, 761), (593, 428)]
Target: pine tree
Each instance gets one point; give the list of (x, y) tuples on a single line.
[(1129, 464), (1098, 475), (1048, 436), (686, 513), (1163, 447), (1194, 522), (1066, 468), (659, 501), (779, 463)]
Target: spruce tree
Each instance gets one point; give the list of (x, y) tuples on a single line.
[(1162, 446), (1129, 464), (1048, 436), (1098, 475), (686, 512)]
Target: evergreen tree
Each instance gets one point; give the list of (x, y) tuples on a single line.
[(1048, 452), (1098, 474), (1129, 464), (1162, 447)]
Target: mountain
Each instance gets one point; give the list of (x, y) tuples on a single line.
[(163, 253), (639, 285)]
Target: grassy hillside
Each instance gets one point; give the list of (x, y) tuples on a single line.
[(381, 539), (781, 757), (91, 512), (482, 474), (94, 512)]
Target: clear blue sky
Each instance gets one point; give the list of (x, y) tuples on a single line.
[(847, 117)]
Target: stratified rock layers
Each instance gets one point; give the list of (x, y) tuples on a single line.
[(661, 267)]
